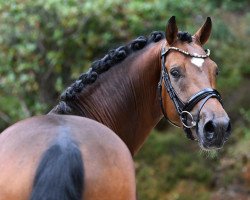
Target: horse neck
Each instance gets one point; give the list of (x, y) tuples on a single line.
[(125, 98)]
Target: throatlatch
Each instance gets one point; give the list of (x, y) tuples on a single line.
[(184, 109)]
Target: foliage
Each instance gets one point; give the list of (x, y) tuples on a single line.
[(44, 45), (167, 161)]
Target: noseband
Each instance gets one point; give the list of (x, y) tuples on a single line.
[(182, 108)]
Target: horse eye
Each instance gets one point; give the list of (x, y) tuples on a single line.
[(175, 73)]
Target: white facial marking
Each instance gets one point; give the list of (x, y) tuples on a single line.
[(197, 61)]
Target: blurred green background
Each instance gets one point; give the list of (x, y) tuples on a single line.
[(45, 45)]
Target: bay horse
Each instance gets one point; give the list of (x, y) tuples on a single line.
[(83, 148)]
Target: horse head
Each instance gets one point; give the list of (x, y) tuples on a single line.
[(189, 99)]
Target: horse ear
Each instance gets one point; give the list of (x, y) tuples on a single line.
[(171, 31), (204, 32)]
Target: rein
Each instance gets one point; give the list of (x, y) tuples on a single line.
[(184, 108)]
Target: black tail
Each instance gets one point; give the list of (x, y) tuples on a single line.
[(60, 174)]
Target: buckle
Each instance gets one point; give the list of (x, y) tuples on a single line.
[(184, 116)]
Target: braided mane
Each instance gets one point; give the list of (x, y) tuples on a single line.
[(113, 57)]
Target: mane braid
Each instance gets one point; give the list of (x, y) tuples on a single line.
[(98, 67), (113, 57)]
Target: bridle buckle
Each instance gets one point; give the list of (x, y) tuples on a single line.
[(184, 116)]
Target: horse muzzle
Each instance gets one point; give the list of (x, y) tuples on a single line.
[(214, 132)]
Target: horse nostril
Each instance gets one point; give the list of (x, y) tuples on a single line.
[(209, 130)]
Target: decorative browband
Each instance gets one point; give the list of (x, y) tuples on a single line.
[(187, 53)]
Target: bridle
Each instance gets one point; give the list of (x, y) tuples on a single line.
[(184, 109)]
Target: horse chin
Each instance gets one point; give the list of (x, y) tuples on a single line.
[(205, 147)]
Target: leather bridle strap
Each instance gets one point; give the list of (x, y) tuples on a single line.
[(199, 96), (184, 109), (193, 122)]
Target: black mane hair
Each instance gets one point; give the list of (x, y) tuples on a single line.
[(113, 57)]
